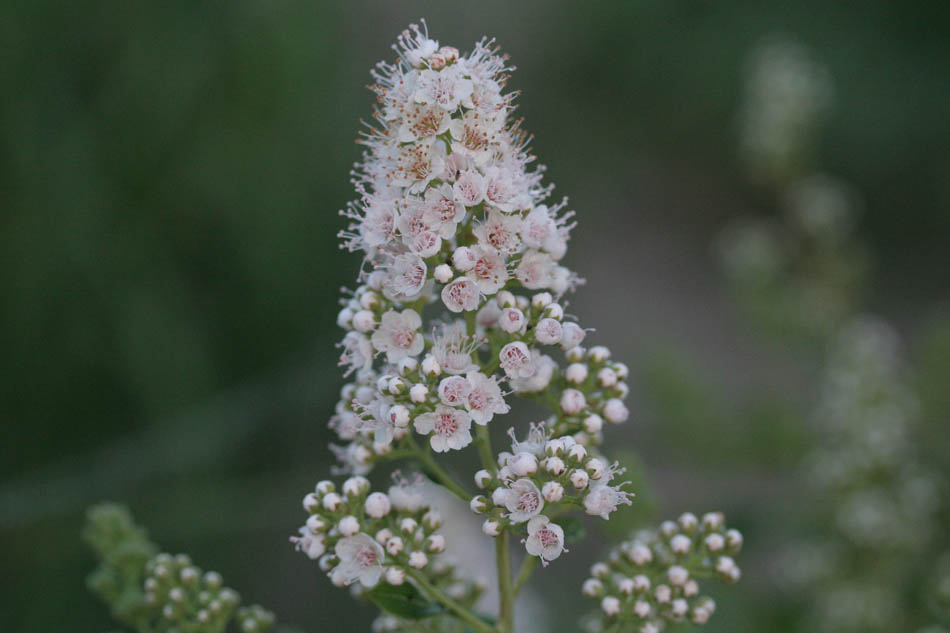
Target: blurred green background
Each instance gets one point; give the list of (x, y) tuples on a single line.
[(171, 174)]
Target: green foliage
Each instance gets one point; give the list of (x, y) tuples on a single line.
[(156, 592), (403, 601)]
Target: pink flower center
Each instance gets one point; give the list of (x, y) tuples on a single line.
[(366, 557), (446, 424), (528, 501), (403, 338), (547, 537)]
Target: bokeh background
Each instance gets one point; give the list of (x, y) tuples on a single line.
[(171, 174)]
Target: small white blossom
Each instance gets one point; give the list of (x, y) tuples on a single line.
[(398, 335), (523, 500), (360, 559), (450, 428), (545, 539)]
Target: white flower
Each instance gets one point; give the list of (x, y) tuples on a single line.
[(454, 390), (535, 269), (523, 501), (484, 399), (500, 231), (490, 271), (423, 121), (452, 351), (516, 360), (523, 464), (361, 558), (446, 88), (544, 367), (511, 320), (357, 352), (407, 276), (461, 294), (377, 505), (397, 335), (313, 545), (548, 331), (441, 211), (450, 428), (469, 188), (603, 498), (545, 539)]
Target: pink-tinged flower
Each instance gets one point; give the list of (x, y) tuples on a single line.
[(485, 398), (357, 352), (450, 428), (523, 501), (454, 391), (603, 498), (490, 271), (475, 136), (501, 189), (516, 360), (361, 558), (406, 275), (445, 88), (469, 188), (545, 539), (535, 270), (422, 122), (500, 231), (442, 211), (416, 165), (313, 545), (398, 335), (460, 294), (378, 221)]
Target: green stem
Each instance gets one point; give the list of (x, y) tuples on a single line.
[(484, 449), (506, 596), (473, 621), (441, 475), (527, 566)]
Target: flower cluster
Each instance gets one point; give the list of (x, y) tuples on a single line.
[(786, 91), (650, 580), (543, 477), (157, 592), (363, 536)]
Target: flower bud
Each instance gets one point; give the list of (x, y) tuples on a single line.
[(592, 588), (408, 525), (491, 527), (395, 576), (554, 311), (593, 424), (572, 335), (355, 486), (407, 365), (478, 504), (418, 560), (443, 273), (505, 299), (348, 526), (615, 411), (482, 478), (677, 575), (577, 453), (311, 502), (541, 299), (436, 543), (579, 479), (325, 486), (598, 354), (383, 536), (548, 331), (395, 545), (555, 465), (511, 320), (377, 505), (552, 491), (610, 606), (364, 321), (576, 373), (368, 300), (606, 377), (418, 393), (332, 502), (344, 318), (464, 258), (596, 467), (715, 542), (430, 366), (572, 401), (523, 464), (499, 496)]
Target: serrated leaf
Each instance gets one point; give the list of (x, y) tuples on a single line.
[(403, 601)]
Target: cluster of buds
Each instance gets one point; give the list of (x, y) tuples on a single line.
[(651, 580), (544, 477), (161, 593), (363, 536)]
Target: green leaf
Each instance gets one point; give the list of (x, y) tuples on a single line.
[(403, 601)]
